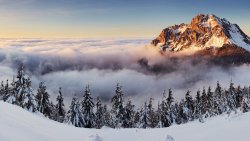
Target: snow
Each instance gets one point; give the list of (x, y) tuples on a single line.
[(18, 124), (215, 41), (237, 38)]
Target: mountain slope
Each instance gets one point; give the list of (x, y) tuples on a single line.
[(17, 124), (204, 31)]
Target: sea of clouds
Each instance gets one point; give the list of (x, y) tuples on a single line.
[(141, 69)]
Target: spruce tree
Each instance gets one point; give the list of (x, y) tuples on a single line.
[(24, 92), (152, 122), (117, 107), (165, 111), (129, 114), (231, 98), (10, 97), (74, 115), (43, 103), (87, 108), (60, 110), (189, 106), (28, 99), (107, 117), (99, 115), (144, 117)]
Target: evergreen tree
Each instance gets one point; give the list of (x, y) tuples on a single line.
[(99, 115), (198, 107), (74, 115), (238, 96), (165, 112), (170, 101), (107, 117), (144, 118), (10, 97), (117, 107), (60, 110), (218, 100), (152, 121), (43, 103), (189, 106), (129, 114), (210, 102), (231, 98), (87, 109), (28, 99), (24, 92), (204, 108), (244, 107), (2, 89)]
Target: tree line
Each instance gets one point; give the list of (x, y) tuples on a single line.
[(94, 114)]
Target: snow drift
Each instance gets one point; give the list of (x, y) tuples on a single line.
[(18, 124)]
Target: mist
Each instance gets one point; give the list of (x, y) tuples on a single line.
[(141, 69)]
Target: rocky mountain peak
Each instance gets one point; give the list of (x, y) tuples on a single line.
[(204, 31)]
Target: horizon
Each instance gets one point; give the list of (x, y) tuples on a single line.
[(109, 19)]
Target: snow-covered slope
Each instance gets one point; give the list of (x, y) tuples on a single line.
[(204, 31), (17, 124)]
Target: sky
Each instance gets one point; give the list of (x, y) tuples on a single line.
[(109, 18)]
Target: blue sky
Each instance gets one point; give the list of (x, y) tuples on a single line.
[(110, 18)]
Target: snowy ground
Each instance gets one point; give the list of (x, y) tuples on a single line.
[(17, 124)]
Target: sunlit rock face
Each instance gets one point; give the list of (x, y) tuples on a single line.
[(204, 31)]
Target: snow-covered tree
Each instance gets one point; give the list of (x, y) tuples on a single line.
[(107, 117), (43, 102), (144, 117), (152, 121), (24, 92), (60, 110), (2, 89), (117, 110), (129, 113), (87, 109), (189, 106), (198, 107), (74, 115), (10, 97), (99, 115), (165, 111), (231, 98)]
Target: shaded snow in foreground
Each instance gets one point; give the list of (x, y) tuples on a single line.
[(17, 124)]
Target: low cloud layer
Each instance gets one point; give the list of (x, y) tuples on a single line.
[(142, 71)]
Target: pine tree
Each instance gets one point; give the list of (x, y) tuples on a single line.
[(107, 117), (165, 112), (144, 118), (189, 106), (10, 97), (204, 110), (24, 92), (170, 101), (117, 107), (238, 96), (198, 107), (218, 100), (43, 103), (244, 107), (2, 89), (87, 109), (28, 99), (74, 115), (129, 114), (152, 121), (231, 98), (210, 102), (99, 115), (60, 110)]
